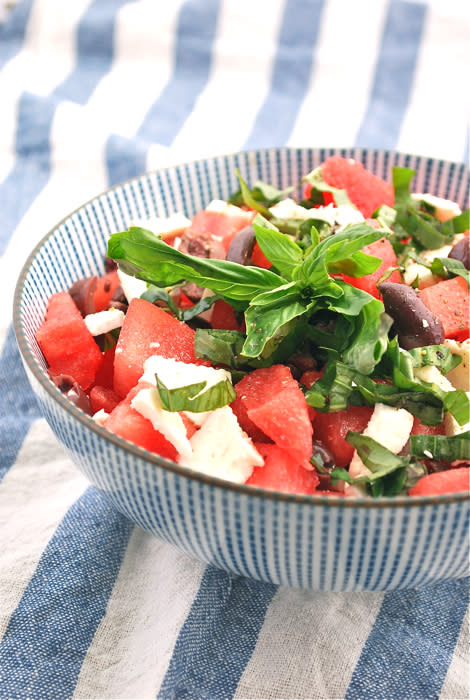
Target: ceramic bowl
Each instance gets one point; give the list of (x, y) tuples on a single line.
[(314, 542)]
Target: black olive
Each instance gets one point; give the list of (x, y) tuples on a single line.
[(461, 251), (242, 245), (324, 453), (414, 324), (82, 293), (69, 387), (119, 300)]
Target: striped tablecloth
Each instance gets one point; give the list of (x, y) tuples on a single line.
[(91, 93)]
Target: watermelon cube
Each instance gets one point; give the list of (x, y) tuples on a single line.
[(273, 402), (282, 472), (148, 330), (131, 425), (67, 344)]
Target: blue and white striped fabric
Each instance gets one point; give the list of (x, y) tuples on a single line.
[(91, 93)]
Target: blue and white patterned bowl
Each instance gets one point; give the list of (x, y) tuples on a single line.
[(307, 541)]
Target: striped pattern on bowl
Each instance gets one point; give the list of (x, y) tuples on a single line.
[(306, 541)]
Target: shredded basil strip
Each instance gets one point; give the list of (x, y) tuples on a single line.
[(439, 356), (390, 473), (448, 267), (153, 294), (194, 397), (426, 231), (315, 179), (440, 447)]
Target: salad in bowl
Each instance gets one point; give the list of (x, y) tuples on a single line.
[(311, 339)]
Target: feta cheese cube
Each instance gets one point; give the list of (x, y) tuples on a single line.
[(219, 206), (165, 227), (132, 287), (445, 208), (104, 321), (389, 426), (433, 375), (220, 448), (100, 416), (175, 374), (460, 376), (452, 427)]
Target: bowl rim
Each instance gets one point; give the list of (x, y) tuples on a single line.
[(154, 459)]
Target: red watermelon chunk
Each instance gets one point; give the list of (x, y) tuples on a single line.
[(272, 400), (103, 398), (282, 472), (382, 249), (67, 344), (105, 288), (364, 189), (219, 226), (148, 330), (449, 481), (331, 429), (129, 424)]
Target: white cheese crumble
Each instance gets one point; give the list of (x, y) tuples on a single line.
[(219, 206), (147, 402), (445, 209), (460, 375), (220, 448), (452, 427), (132, 287), (100, 416), (175, 374), (165, 227), (389, 426), (104, 321), (339, 217), (433, 375)]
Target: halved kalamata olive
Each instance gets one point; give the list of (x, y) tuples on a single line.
[(69, 387), (413, 322), (82, 293), (242, 245), (461, 251), (324, 453), (193, 291), (109, 264), (119, 300), (202, 246)]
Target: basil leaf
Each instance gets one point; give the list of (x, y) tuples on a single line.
[(439, 356), (332, 391), (369, 339), (280, 250), (249, 199), (402, 179), (419, 402), (441, 447), (224, 347), (219, 346), (389, 472), (271, 320), (424, 228), (420, 227), (194, 398), (261, 192), (153, 294), (457, 403), (315, 179), (141, 254), (459, 224), (447, 267)]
